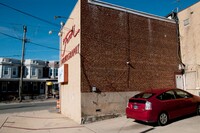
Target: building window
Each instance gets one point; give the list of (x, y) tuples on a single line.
[(14, 72), (50, 72), (4, 87), (56, 72), (39, 73), (25, 72), (33, 73), (6, 70), (186, 22)]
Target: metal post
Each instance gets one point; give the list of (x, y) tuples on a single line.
[(22, 63)]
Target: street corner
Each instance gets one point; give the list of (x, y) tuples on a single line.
[(39, 121), (3, 120)]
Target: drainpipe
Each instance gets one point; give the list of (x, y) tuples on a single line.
[(178, 42), (182, 65)]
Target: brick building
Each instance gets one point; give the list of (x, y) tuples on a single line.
[(109, 54)]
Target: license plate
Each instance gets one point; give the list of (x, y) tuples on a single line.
[(135, 107)]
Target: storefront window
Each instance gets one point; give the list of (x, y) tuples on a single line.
[(35, 86), (4, 87)]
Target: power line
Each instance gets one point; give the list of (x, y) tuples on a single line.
[(44, 46), (28, 41), (10, 36), (44, 28), (30, 15)]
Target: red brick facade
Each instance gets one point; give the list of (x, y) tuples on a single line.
[(110, 38)]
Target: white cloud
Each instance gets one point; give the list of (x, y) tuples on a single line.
[(10, 31)]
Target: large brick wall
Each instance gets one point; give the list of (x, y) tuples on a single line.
[(110, 38)]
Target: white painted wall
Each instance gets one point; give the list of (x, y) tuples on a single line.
[(71, 92), (190, 46)]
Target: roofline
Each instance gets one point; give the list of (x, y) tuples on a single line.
[(120, 8), (188, 7), (26, 79)]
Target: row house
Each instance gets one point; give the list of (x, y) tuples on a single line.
[(53, 71), (9, 72), (37, 78)]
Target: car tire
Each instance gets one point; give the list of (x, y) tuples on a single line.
[(163, 119), (198, 109)]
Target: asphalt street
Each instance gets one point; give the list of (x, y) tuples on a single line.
[(27, 106)]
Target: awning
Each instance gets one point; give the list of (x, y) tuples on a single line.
[(49, 83)]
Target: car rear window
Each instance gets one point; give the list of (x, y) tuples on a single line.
[(136, 101), (144, 95)]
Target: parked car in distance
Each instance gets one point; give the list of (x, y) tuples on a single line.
[(162, 105)]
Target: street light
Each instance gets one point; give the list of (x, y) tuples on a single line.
[(61, 25), (66, 18), (55, 17), (52, 31)]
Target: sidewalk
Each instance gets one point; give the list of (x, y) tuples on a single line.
[(50, 121), (44, 121)]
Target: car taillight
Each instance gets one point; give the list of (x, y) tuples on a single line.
[(128, 105), (148, 105)]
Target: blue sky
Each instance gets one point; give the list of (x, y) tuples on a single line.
[(12, 21)]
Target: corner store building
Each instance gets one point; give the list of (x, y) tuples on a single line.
[(109, 53)]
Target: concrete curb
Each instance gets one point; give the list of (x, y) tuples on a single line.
[(23, 104)]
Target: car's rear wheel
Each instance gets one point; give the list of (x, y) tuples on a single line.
[(163, 119), (198, 109)]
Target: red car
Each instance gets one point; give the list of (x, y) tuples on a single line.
[(162, 105)]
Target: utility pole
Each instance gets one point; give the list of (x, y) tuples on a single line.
[(22, 63)]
